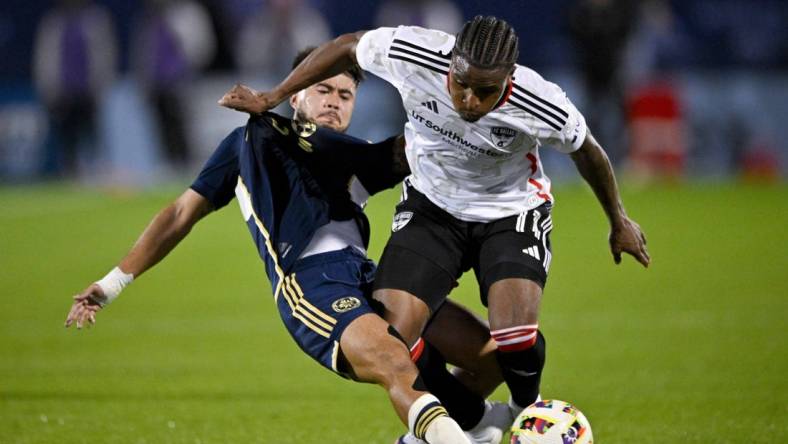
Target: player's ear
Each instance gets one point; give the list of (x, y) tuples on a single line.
[(294, 100)]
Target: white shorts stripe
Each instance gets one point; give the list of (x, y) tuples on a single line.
[(547, 256), (535, 227), (520, 227)]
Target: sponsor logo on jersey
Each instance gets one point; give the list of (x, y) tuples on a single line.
[(453, 137), (502, 136), (400, 220), (345, 304)]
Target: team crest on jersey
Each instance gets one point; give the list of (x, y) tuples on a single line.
[(304, 129), (346, 304), (502, 136), (400, 220)]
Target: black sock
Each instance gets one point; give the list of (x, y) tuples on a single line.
[(522, 371), (464, 406)]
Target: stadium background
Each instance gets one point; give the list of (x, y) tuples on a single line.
[(691, 350)]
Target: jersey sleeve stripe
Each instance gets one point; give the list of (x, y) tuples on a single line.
[(434, 53), (419, 56), (422, 64), (559, 120), (541, 100), (544, 119)]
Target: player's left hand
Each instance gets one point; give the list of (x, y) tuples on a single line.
[(85, 307), (627, 237)]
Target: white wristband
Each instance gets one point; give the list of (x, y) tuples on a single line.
[(112, 284)]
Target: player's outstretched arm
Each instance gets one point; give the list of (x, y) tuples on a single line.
[(163, 233), (625, 234), (329, 59)]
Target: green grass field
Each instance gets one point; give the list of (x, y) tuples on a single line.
[(691, 350)]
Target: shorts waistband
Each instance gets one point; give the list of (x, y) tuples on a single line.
[(328, 257)]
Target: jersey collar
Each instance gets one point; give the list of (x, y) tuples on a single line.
[(505, 96)]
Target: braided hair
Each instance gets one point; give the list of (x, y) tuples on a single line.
[(487, 42)]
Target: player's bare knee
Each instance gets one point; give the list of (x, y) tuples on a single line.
[(513, 302)]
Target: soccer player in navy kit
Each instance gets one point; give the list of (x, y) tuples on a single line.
[(477, 197), (291, 180)]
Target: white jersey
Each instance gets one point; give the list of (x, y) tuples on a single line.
[(336, 235), (480, 171)]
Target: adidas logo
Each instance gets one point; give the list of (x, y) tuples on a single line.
[(431, 105), (533, 252)]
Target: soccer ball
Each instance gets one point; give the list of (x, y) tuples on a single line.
[(551, 422)]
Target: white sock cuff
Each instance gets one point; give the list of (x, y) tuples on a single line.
[(423, 402)]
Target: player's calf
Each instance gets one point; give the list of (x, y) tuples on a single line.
[(465, 406), (521, 355), (514, 310), (375, 353)]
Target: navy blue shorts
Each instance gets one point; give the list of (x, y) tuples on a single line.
[(322, 295)]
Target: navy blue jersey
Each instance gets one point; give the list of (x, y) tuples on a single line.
[(292, 179)]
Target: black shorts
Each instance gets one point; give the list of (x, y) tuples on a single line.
[(429, 249)]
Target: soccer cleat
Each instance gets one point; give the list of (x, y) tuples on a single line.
[(409, 438), (496, 421)]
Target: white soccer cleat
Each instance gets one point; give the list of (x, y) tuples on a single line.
[(496, 421)]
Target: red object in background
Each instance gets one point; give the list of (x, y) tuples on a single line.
[(760, 163), (657, 137)]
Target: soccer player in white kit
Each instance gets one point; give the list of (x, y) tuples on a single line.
[(477, 197)]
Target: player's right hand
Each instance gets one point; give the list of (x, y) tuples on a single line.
[(629, 238), (85, 306), (245, 99)]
